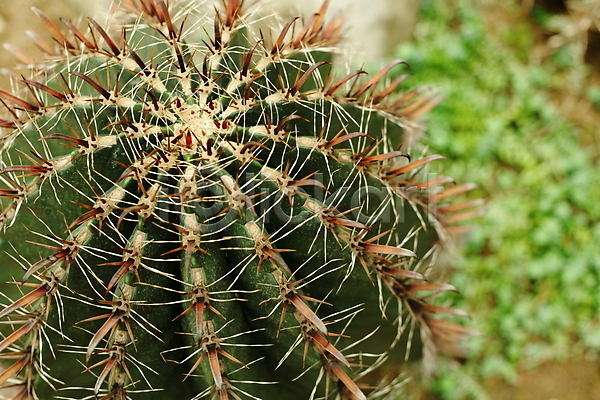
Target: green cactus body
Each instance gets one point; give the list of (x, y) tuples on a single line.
[(218, 217)]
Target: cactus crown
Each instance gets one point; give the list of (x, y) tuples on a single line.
[(214, 213)]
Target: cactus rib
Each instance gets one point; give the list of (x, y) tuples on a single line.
[(215, 213)]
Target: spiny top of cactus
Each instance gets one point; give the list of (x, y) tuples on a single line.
[(193, 207)]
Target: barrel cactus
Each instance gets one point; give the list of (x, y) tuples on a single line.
[(193, 206)]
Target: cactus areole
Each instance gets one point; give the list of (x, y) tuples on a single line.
[(193, 207)]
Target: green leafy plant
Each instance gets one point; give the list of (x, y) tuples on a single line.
[(512, 124), (215, 212)]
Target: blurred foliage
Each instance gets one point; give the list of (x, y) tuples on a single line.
[(530, 271)]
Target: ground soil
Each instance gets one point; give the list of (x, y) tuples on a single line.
[(572, 379)]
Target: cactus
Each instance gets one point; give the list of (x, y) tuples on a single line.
[(214, 212)]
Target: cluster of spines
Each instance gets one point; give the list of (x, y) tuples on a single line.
[(204, 136)]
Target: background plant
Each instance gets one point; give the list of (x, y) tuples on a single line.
[(520, 119)]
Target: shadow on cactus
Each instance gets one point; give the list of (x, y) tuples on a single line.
[(213, 212)]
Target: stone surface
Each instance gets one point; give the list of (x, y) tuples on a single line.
[(16, 17), (373, 27)]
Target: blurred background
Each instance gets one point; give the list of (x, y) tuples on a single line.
[(521, 119)]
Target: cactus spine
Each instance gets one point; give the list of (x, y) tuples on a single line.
[(211, 213)]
